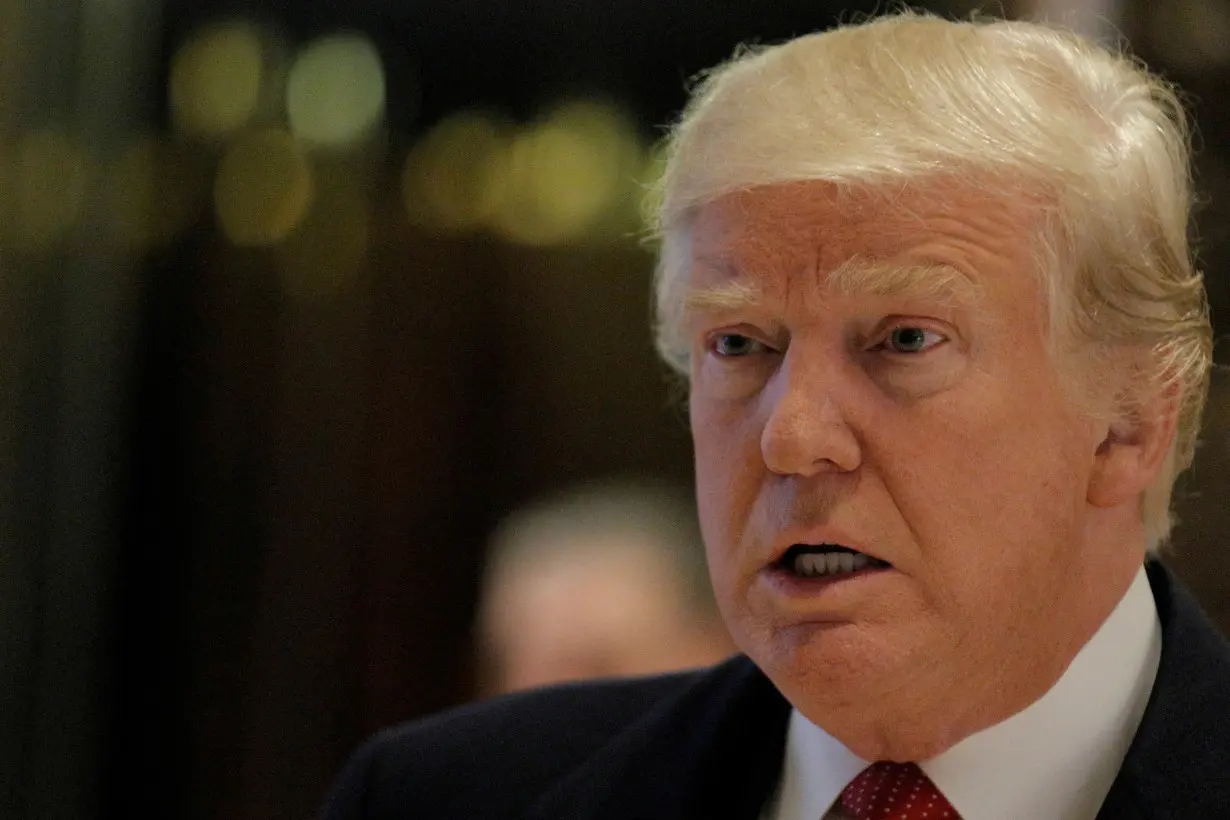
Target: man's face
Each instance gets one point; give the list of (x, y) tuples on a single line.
[(872, 373)]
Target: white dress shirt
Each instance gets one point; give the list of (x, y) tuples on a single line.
[(1054, 760)]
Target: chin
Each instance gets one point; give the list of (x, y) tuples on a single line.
[(871, 721), (848, 675), (833, 665), (892, 743)]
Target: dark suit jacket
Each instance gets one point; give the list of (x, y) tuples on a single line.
[(710, 744)]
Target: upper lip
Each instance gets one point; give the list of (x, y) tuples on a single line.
[(817, 536)]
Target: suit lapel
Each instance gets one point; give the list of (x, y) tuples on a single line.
[(1178, 763), (713, 751)]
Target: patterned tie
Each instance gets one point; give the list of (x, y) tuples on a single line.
[(895, 791)]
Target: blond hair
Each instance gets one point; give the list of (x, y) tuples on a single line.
[(908, 98)]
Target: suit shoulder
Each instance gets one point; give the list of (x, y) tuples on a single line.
[(1175, 766), (492, 757), (564, 718)]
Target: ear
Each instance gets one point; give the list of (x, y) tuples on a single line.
[(1134, 450)]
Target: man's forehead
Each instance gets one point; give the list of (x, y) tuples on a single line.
[(767, 240), (719, 285), (813, 213), (762, 227)]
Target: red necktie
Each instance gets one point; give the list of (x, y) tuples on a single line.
[(895, 791)]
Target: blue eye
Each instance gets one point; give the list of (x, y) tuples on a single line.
[(907, 339), (735, 344)]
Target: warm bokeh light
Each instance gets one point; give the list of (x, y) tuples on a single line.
[(45, 186), (327, 251), (263, 187), (154, 191), (456, 175), (215, 80), (6, 192), (335, 92), (568, 172)]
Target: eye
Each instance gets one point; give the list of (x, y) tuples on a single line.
[(733, 345), (909, 339)]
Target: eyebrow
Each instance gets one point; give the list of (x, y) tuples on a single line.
[(728, 296), (856, 277)]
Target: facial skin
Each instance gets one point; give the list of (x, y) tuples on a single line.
[(924, 425)]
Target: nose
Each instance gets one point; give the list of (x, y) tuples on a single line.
[(806, 432)]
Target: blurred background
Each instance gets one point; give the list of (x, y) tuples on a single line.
[(299, 300)]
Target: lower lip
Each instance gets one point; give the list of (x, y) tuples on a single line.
[(788, 583)]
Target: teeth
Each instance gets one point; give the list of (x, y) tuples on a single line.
[(815, 564), (810, 564)]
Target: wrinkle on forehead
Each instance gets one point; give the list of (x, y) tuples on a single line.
[(928, 243), (927, 280), (853, 278), (775, 221)]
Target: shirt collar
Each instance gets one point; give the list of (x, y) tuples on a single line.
[(1057, 758), (816, 769)]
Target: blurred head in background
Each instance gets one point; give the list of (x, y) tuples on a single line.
[(607, 579)]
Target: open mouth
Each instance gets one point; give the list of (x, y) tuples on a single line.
[(826, 561)]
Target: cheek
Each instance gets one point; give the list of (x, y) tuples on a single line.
[(728, 473), (714, 492), (994, 498), (726, 443)]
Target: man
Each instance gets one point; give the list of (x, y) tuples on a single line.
[(930, 286), (606, 579)]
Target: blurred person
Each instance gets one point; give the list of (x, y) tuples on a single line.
[(929, 283), (601, 581)]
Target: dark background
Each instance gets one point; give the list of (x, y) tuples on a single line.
[(241, 529)]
